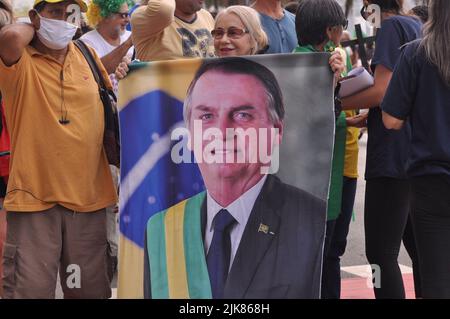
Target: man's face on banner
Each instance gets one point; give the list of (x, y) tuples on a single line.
[(229, 104)]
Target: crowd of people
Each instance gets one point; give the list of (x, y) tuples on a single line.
[(60, 192)]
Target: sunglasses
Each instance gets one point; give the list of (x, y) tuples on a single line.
[(233, 33), (123, 15)]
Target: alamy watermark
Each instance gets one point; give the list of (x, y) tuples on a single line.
[(373, 15), (250, 145), (75, 14), (374, 279), (74, 278)]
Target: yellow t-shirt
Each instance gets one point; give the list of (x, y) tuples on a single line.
[(351, 149), (53, 163), (159, 35), (351, 142)]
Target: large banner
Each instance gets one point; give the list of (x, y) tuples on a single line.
[(176, 120)]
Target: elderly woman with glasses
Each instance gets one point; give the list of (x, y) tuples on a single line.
[(238, 31)]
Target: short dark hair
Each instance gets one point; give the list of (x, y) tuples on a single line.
[(314, 17), (237, 65), (395, 6), (421, 12)]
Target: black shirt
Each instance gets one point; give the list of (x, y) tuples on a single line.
[(387, 150), (418, 92)]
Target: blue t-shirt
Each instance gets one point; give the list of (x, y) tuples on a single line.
[(281, 33), (130, 13), (387, 150), (418, 92)]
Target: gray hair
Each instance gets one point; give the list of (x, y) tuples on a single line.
[(436, 35), (250, 20)]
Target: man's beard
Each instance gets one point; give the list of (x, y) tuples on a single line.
[(120, 31)]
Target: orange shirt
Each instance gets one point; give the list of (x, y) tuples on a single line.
[(53, 163), (159, 35)]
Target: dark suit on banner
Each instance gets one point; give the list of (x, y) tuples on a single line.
[(280, 252)]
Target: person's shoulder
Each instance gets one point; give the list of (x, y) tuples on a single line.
[(412, 47), (94, 45), (90, 36), (293, 193), (125, 36), (22, 66), (409, 19), (81, 58), (93, 39), (301, 195), (414, 52), (404, 20), (203, 14), (29, 52), (297, 204), (289, 15)]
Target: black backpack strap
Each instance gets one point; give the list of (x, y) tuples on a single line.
[(111, 136), (94, 67)]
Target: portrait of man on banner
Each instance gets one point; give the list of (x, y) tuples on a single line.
[(248, 235)]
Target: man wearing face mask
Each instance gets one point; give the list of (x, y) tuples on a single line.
[(60, 182)]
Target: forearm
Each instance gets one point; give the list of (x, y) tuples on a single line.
[(14, 38), (373, 96), (366, 99), (113, 59)]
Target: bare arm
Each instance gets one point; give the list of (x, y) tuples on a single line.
[(373, 96), (392, 123), (150, 20), (14, 38), (113, 59)]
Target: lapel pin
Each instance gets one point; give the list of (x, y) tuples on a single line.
[(263, 228)]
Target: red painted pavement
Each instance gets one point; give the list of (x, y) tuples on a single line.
[(356, 288)]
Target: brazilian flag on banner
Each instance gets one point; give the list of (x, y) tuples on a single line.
[(149, 110)]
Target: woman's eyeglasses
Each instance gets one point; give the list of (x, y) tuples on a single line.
[(232, 33), (123, 15)]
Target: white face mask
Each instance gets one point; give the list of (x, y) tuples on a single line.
[(55, 34)]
